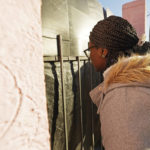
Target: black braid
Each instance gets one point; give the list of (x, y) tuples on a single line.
[(115, 34), (142, 50)]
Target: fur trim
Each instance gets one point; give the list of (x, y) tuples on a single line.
[(128, 70)]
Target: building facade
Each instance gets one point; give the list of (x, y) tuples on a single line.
[(135, 13)]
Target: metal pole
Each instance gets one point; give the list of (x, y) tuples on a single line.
[(80, 98), (60, 54), (93, 140)]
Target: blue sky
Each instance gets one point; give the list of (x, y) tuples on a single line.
[(116, 7)]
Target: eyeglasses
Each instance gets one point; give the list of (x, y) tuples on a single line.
[(87, 51)]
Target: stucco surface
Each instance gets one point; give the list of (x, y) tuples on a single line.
[(23, 115)]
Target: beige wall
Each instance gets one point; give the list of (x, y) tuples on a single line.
[(23, 116)]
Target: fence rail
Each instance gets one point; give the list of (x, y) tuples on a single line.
[(60, 58)]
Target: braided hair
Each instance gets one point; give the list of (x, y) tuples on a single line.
[(117, 35)]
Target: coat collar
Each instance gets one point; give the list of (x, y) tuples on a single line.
[(127, 72), (135, 69)]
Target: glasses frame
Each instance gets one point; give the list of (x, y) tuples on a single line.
[(88, 49)]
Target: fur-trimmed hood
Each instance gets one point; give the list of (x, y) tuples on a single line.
[(123, 102), (128, 70), (133, 71)]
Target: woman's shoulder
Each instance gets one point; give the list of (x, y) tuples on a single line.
[(96, 93)]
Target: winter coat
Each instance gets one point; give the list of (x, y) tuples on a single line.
[(123, 102)]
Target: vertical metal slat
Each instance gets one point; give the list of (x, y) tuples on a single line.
[(60, 54), (80, 98), (93, 140)]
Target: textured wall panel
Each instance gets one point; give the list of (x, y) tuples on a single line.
[(81, 22), (55, 21), (81, 5), (73, 19), (95, 10), (80, 26)]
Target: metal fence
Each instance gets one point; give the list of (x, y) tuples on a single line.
[(61, 59)]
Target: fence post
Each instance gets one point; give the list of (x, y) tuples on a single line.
[(60, 54)]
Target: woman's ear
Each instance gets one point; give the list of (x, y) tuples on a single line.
[(102, 52), (105, 52)]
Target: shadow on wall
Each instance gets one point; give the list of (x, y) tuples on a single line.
[(55, 105)]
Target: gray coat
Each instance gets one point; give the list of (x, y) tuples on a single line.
[(123, 102)]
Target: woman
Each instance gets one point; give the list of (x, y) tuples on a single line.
[(123, 98)]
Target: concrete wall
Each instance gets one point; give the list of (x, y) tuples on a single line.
[(135, 13), (23, 114)]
